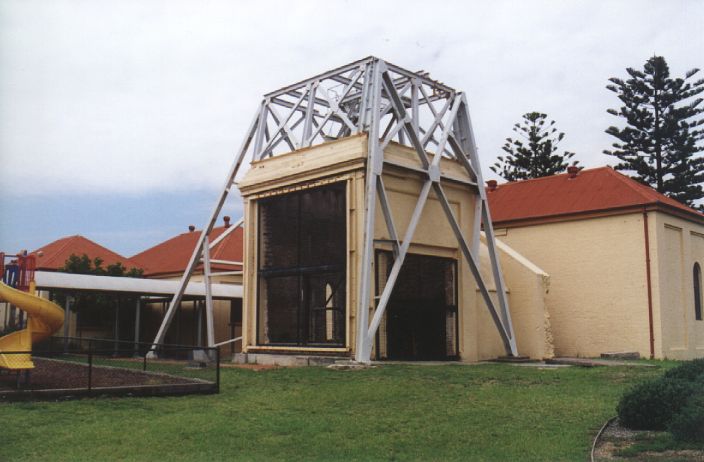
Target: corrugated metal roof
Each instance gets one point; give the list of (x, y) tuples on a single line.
[(55, 280), (592, 190), (172, 255), (53, 256)]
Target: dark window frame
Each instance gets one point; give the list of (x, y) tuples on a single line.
[(379, 253), (302, 272)]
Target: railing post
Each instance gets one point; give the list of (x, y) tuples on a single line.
[(67, 322), (90, 369), (144, 363), (217, 370)]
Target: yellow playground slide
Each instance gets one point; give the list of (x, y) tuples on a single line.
[(44, 318)]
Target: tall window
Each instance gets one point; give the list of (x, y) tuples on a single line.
[(697, 292), (301, 274)]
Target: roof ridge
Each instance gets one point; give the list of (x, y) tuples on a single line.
[(102, 247), (159, 244), (66, 240), (220, 246), (633, 184), (550, 177), (653, 195)]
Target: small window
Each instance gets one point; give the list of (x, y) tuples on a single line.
[(697, 292)]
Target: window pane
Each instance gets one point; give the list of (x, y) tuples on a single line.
[(326, 302), (278, 231), (322, 226), (278, 321)]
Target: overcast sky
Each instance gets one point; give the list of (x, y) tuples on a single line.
[(119, 119)]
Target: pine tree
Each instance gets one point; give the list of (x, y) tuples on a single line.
[(661, 140), (533, 153)]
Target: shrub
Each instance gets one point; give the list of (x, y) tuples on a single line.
[(688, 423), (691, 371), (651, 405)]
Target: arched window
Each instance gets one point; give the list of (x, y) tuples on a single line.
[(697, 292)]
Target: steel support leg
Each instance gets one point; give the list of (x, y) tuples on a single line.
[(198, 250)]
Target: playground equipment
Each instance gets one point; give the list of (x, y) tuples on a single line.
[(43, 316)]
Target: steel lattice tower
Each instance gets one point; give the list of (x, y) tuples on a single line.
[(389, 103)]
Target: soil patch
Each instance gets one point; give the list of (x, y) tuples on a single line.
[(56, 374)]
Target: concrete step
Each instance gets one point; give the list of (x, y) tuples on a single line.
[(272, 359)]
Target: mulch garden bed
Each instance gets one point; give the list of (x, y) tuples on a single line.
[(50, 373), (58, 379)]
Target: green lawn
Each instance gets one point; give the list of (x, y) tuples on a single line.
[(394, 412)]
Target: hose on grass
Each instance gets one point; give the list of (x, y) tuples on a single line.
[(598, 435)]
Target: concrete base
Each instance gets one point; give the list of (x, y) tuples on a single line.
[(201, 356), (514, 359), (586, 362), (627, 355), (269, 359)]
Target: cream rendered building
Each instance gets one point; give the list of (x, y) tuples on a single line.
[(303, 235), (624, 261)]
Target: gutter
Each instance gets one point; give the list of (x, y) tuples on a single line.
[(649, 282)]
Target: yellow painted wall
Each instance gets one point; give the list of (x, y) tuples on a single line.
[(597, 299), (528, 289), (433, 236), (678, 245)]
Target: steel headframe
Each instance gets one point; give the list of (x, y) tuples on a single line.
[(390, 104)]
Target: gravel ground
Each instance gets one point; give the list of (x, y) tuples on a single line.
[(616, 438)]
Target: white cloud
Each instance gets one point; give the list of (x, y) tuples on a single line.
[(155, 96)]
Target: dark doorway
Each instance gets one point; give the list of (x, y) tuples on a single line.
[(421, 317), (301, 273)]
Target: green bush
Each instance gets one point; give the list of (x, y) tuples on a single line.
[(651, 405), (691, 371), (688, 423)]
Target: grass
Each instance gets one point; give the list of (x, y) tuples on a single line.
[(395, 412)]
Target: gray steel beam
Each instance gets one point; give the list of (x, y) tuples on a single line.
[(374, 168), (388, 217), (398, 263), (209, 323)]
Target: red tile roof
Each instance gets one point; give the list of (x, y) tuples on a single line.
[(592, 190), (172, 255), (53, 256)]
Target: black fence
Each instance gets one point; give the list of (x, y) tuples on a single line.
[(68, 367)]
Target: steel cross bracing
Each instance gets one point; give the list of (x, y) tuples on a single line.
[(390, 104)]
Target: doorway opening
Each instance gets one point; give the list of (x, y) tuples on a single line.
[(420, 322), (302, 268)]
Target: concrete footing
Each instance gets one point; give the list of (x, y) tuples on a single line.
[(269, 359), (514, 359), (625, 355)]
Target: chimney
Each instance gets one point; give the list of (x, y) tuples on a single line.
[(191, 228), (572, 171), (491, 184), (227, 221)]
